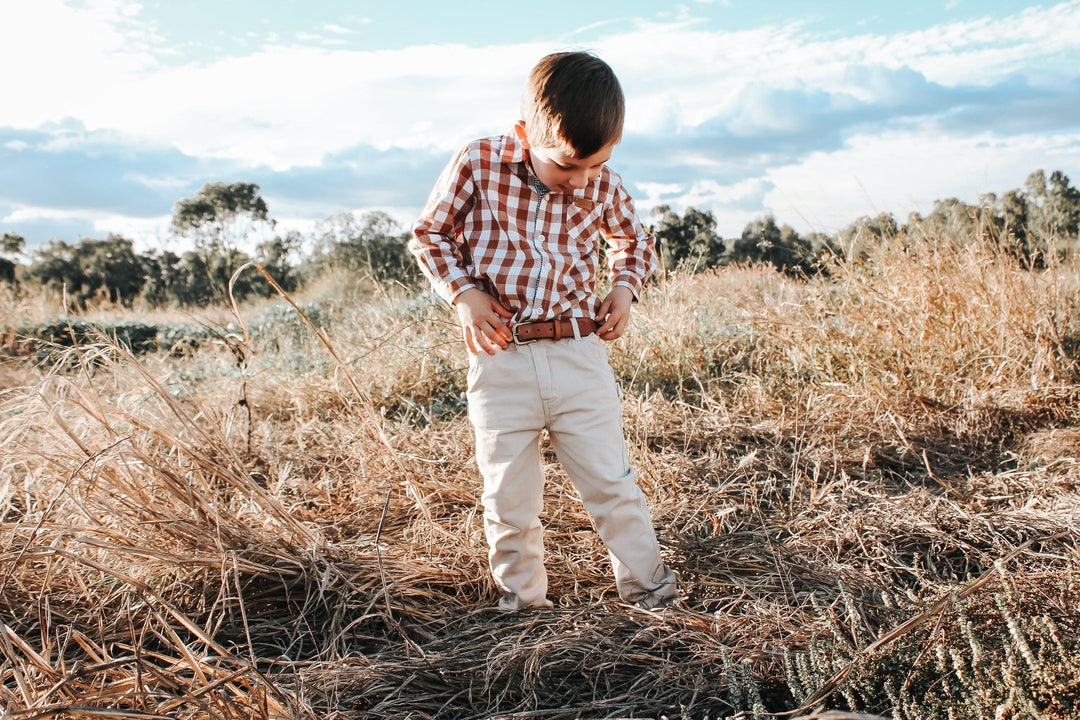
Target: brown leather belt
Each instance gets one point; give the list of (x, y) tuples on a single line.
[(526, 333)]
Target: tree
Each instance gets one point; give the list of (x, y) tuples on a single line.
[(55, 267), (109, 266), (1009, 222), (160, 269), (1029, 223), (687, 242), (274, 255), (856, 240), (780, 246), (191, 286), (12, 244), (1026, 224), (1012, 209), (1053, 207), (371, 244), (218, 219), (89, 267), (824, 248), (958, 221), (757, 241)]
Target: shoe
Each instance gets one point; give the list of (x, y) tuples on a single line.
[(511, 602), (653, 603)]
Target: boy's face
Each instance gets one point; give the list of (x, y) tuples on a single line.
[(561, 171)]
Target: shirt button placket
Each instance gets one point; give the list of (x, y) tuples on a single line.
[(538, 243)]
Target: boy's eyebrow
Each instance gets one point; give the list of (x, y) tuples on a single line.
[(574, 162), (570, 165)]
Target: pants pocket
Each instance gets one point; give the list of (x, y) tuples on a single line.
[(473, 372)]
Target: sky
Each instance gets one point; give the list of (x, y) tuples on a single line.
[(817, 113)]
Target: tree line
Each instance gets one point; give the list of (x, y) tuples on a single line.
[(1031, 224), (216, 224), (217, 221)]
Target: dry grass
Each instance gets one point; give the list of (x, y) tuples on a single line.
[(290, 529)]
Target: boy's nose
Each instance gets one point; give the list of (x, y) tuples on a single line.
[(579, 180)]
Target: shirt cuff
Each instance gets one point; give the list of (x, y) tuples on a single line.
[(452, 289), (628, 281)]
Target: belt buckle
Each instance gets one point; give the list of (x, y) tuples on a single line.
[(514, 334)]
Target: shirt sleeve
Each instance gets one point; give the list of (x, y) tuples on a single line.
[(437, 240), (632, 247)]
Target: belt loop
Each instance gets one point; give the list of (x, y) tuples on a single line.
[(577, 329), (558, 329)]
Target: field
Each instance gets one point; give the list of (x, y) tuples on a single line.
[(868, 483)]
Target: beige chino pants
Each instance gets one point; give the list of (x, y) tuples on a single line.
[(567, 387)]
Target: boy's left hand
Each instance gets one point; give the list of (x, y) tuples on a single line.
[(614, 313)]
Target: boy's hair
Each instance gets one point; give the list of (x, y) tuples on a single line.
[(573, 101)]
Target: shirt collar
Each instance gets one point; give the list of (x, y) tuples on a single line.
[(512, 149)]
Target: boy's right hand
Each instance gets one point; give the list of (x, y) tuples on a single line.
[(483, 321)]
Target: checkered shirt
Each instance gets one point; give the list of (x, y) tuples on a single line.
[(491, 224)]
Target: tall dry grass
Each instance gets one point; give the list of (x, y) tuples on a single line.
[(862, 477)]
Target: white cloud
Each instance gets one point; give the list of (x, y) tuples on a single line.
[(654, 193), (146, 232), (306, 37), (797, 94), (30, 214), (58, 59), (985, 50), (288, 105)]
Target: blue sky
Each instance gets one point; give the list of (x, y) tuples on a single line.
[(819, 113)]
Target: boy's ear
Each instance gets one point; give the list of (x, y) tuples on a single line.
[(522, 134)]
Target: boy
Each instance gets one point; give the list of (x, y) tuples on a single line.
[(509, 237)]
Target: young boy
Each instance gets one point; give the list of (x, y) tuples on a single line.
[(510, 237)]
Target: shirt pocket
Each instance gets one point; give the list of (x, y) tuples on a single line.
[(582, 220)]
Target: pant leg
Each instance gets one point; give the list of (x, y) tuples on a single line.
[(586, 430), (507, 417)]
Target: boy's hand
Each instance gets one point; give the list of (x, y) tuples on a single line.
[(482, 321), (614, 313)]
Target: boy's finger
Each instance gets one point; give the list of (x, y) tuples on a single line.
[(610, 322), (614, 324), (497, 339), (504, 334), (469, 343), (614, 333), (477, 341), (492, 339)]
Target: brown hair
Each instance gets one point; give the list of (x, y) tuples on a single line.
[(573, 100)]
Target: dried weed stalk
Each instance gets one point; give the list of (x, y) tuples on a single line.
[(865, 482)]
